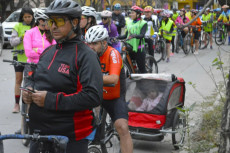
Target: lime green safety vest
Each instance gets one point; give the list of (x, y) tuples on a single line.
[(207, 28), (21, 29), (135, 28), (167, 28), (174, 17), (214, 17)]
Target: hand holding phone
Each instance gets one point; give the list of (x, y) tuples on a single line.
[(27, 89)]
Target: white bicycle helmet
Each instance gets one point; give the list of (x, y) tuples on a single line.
[(106, 13), (89, 11), (40, 15), (96, 33)]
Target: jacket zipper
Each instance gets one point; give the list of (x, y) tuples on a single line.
[(52, 60)]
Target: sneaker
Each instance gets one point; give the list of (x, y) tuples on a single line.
[(16, 108), (171, 54), (210, 47), (228, 43), (195, 53), (167, 60)]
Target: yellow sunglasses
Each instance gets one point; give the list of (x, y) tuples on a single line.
[(59, 21)]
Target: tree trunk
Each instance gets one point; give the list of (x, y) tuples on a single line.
[(225, 124)]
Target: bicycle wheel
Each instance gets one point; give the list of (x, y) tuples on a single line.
[(179, 127), (109, 138), (127, 69), (192, 44), (162, 48), (177, 44), (1, 46), (93, 149), (24, 124), (151, 64), (187, 44), (158, 52), (25, 130), (225, 36), (204, 40), (219, 37), (1, 146)]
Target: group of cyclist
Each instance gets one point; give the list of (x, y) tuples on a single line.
[(75, 58)]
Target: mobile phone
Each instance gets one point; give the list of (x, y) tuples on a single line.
[(27, 89)]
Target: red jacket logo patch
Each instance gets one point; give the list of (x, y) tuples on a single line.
[(64, 69)]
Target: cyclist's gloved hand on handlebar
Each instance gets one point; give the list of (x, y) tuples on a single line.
[(132, 36)]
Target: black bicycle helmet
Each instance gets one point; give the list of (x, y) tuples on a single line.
[(64, 7)]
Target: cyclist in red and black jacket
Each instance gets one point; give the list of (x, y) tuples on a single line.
[(67, 82)]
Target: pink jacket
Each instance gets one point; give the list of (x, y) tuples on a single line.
[(180, 21), (35, 44)]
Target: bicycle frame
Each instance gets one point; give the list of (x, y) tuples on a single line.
[(127, 58)]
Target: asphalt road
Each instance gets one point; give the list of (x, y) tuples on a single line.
[(187, 67)]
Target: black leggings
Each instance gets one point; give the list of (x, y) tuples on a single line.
[(149, 41), (80, 146), (140, 59)]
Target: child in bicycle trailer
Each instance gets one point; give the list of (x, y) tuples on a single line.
[(141, 101), (151, 101), (136, 30), (196, 30)]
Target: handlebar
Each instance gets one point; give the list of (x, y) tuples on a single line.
[(17, 63), (17, 51), (60, 140)]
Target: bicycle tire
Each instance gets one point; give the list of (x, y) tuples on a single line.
[(158, 53), (177, 44), (187, 44), (25, 130), (1, 46), (162, 48), (93, 149), (151, 64), (1, 146), (225, 36), (178, 120), (127, 69), (201, 40), (193, 48), (219, 33), (107, 131)]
